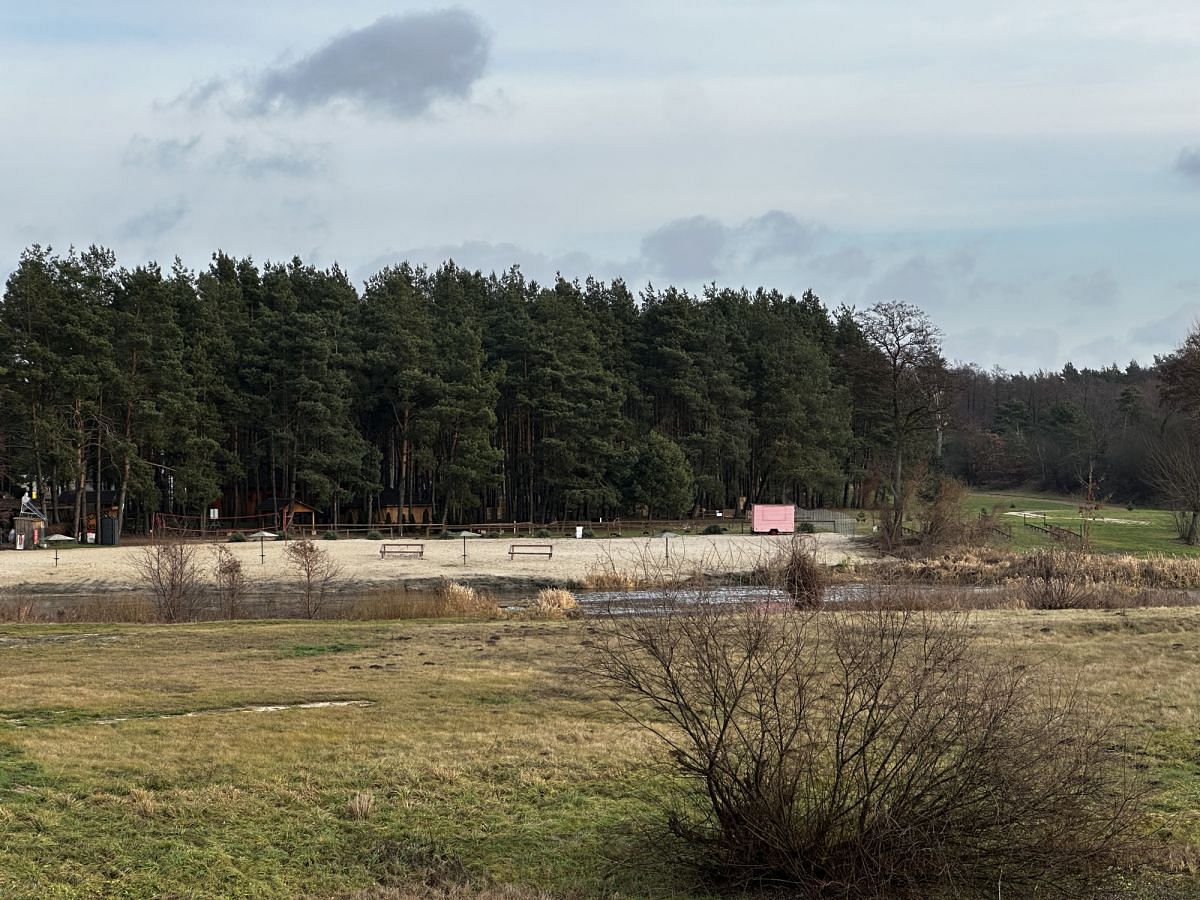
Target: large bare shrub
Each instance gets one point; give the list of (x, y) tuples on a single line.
[(869, 754), (316, 574), (1057, 578), (795, 570), (230, 580), (170, 574)]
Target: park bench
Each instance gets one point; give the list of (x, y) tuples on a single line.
[(546, 550), (417, 550)]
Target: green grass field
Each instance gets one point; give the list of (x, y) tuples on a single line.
[(1112, 529), (128, 769)]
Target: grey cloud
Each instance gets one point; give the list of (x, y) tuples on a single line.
[(1031, 346), (917, 279), (776, 235), (285, 158), (1167, 331), (153, 222), (686, 248), (165, 154), (1188, 164), (1099, 352), (197, 95), (961, 263), (702, 248), (400, 65), (1095, 289), (847, 262)]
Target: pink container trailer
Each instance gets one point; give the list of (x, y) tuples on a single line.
[(773, 518)]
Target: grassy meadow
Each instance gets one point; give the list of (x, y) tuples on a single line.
[(1112, 529), (472, 761)]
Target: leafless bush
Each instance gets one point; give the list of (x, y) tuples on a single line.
[(316, 573), (170, 575), (1057, 579), (230, 581), (870, 754), (794, 570)]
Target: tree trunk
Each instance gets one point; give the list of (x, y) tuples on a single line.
[(96, 482)]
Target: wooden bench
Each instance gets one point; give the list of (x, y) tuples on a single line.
[(417, 550), (546, 550)]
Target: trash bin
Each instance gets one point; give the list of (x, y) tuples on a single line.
[(108, 531), (578, 532)]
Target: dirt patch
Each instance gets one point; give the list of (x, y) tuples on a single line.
[(94, 570), (275, 707)]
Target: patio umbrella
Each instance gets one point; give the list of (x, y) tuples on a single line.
[(57, 539), (667, 535), (262, 551), (464, 535)]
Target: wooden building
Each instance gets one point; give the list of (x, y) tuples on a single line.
[(283, 513)]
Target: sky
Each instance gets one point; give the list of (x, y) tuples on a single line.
[(1027, 173)]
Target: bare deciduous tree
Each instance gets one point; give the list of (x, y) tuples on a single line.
[(316, 572), (230, 580), (1175, 474), (910, 344), (169, 572)]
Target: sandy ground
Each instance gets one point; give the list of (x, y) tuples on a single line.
[(82, 569)]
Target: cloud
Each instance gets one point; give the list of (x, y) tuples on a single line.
[(686, 248), (846, 263), (400, 66), (1099, 352), (702, 248), (1166, 332), (918, 280), (153, 222), (166, 154), (777, 235), (1095, 289), (1188, 164), (286, 158), (197, 95), (1030, 347)]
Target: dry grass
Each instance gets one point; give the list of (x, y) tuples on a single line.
[(450, 601), (464, 601), (118, 608), (142, 802), (555, 603), (361, 805), (990, 567), (494, 774), (607, 578)]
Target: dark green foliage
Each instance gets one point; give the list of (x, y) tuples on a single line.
[(807, 528), (329, 536), (715, 529), (492, 398), (374, 536), (542, 533), (237, 537), (662, 477)]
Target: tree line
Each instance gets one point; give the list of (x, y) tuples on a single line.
[(493, 397)]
